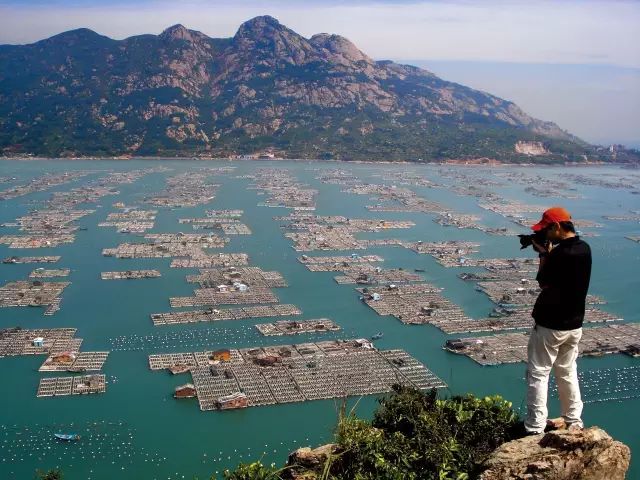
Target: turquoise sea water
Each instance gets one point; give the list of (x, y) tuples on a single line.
[(137, 430)]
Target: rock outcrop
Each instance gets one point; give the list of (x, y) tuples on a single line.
[(589, 454), (307, 462), (530, 148)]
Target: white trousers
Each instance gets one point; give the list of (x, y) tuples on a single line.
[(557, 349)]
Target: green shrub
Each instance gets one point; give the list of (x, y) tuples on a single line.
[(254, 471), (53, 474), (414, 436)]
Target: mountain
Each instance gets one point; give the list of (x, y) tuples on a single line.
[(265, 89)]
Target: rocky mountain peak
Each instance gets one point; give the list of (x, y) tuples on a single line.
[(180, 32), (269, 40), (264, 26), (339, 48), (75, 37)]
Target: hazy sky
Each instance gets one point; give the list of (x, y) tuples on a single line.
[(574, 62)]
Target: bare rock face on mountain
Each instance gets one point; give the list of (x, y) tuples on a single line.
[(589, 454), (184, 93)]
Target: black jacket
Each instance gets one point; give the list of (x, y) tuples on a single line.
[(564, 279)]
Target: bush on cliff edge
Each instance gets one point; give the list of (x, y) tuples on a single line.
[(413, 435)]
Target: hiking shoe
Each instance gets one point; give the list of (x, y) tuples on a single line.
[(519, 431), (575, 427), (555, 424)]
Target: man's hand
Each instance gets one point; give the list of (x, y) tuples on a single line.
[(546, 248)]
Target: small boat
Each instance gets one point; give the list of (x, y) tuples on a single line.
[(377, 336), (67, 437), (418, 269)]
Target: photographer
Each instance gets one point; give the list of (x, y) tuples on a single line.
[(563, 275)]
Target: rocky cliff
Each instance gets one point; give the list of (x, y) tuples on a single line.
[(589, 454), (184, 93)]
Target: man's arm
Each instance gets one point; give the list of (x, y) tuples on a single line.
[(543, 254), (543, 260)]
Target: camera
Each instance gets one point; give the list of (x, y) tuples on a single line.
[(539, 237)]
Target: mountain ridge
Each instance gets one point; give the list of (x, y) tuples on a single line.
[(266, 88)]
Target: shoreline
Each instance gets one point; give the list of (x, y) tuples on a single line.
[(462, 163)]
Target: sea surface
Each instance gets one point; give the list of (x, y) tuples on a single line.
[(137, 430)]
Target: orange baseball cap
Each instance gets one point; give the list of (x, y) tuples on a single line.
[(552, 215)]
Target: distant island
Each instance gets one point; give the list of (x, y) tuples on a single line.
[(267, 92)]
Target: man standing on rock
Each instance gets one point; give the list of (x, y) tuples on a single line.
[(563, 275)]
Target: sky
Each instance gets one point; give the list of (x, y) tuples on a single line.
[(574, 62)]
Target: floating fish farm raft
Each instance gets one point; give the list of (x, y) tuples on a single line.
[(40, 184), (130, 274), (43, 273), (296, 373), (32, 294), (522, 293), (187, 189), (291, 327), (212, 261), (512, 347), (312, 232), (41, 341), (516, 320), (225, 220), (74, 362), (133, 221), (448, 254), (224, 295), (252, 276), (282, 190), (419, 303), (167, 245), (335, 264), (214, 315), (45, 259), (369, 275), (78, 385)]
